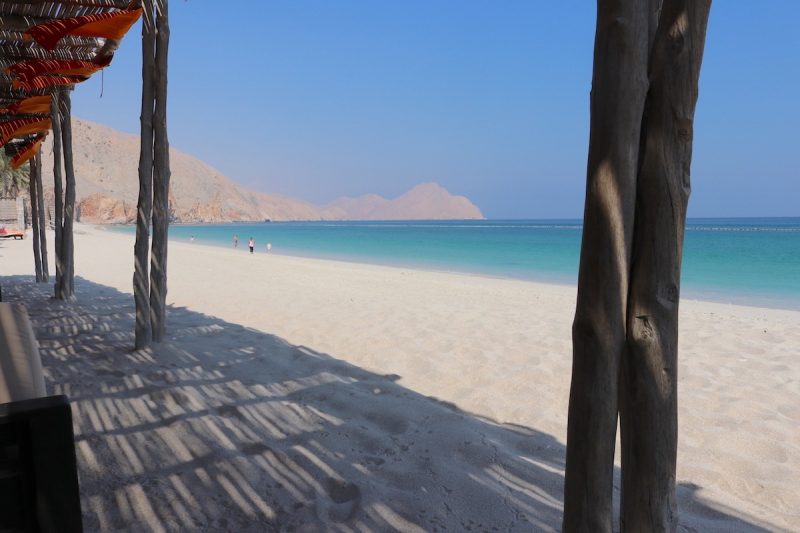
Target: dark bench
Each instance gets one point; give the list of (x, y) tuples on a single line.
[(38, 471)]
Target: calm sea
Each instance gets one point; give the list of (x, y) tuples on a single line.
[(751, 261)]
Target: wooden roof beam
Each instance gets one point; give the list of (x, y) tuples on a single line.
[(16, 36), (116, 4), (19, 22), (15, 53), (35, 49)]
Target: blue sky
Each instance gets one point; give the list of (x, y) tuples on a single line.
[(318, 99)]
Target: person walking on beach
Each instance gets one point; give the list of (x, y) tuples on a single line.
[(252, 244), (235, 241), (269, 246)]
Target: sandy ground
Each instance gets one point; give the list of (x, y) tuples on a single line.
[(309, 395)]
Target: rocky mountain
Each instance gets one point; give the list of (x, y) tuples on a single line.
[(360, 208), (426, 201), (106, 169)]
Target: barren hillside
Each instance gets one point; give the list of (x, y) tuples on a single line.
[(106, 168)]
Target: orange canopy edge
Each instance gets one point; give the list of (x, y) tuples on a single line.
[(27, 71), (32, 104), (43, 82), (30, 149), (111, 25), (23, 126)]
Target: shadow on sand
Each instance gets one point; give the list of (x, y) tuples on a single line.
[(229, 428)]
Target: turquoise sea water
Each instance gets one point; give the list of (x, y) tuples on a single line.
[(751, 261)]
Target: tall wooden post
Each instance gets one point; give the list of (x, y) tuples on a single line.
[(619, 87), (644, 90), (141, 276), (37, 258), (67, 244), (37, 160), (58, 219), (649, 403), (161, 177)]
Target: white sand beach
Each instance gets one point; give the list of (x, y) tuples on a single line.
[(297, 394)]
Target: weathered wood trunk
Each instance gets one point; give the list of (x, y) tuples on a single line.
[(58, 219), (649, 403), (141, 276), (67, 243), (37, 159), (161, 177), (625, 335), (37, 258), (619, 88)]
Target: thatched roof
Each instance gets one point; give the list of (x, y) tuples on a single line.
[(17, 16)]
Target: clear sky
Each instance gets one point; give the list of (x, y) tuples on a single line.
[(316, 99)]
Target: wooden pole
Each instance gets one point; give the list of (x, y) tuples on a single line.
[(649, 400), (141, 277), (37, 258), (67, 244), (37, 159), (55, 113), (161, 177), (619, 87), (625, 334)]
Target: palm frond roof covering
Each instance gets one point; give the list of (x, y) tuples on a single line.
[(109, 25), (46, 45)]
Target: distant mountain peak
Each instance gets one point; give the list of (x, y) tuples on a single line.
[(424, 201), (106, 168), (426, 186)]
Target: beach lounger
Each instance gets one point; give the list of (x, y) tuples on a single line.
[(38, 470), (7, 233)]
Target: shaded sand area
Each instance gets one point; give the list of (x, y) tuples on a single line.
[(308, 395)]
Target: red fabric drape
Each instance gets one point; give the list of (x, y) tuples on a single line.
[(28, 150), (111, 25), (27, 71), (33, 104), (22, 126), (43, 82)]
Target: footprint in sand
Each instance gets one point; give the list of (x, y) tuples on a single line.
[(162, 395), (373, 461), (162, 376), (340, 502), (230, 411), (108, 372), (389, 422), (254, 448)]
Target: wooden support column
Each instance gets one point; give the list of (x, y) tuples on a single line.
[(619, 88), (625, 336), (67, 244), (141, 276), (161, 178), (58, 219), (37, 258), (649, 399), (37, 160)]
